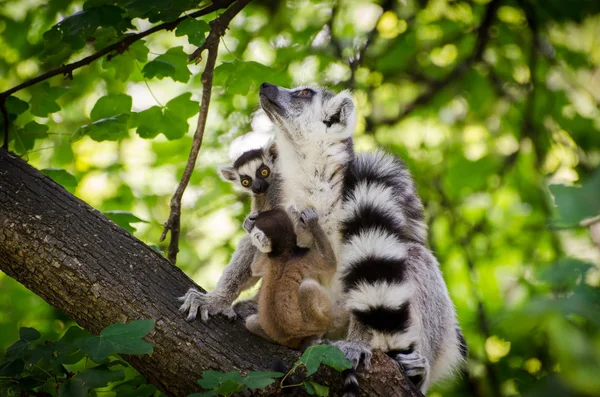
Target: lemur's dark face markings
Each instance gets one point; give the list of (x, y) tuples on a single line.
[(278, 227), (306, 110), (252, 170)]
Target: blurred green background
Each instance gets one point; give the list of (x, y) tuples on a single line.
[(488, 102)]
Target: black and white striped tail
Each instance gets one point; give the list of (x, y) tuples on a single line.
[(350, 388)]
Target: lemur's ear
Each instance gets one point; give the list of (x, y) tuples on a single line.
[(272, 150), (228, 173), (340, 110)]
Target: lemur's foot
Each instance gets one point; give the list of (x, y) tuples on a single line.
[(356, 352), (250, 220), (415, 366), (208, 305), (245, 308), (308, 217)]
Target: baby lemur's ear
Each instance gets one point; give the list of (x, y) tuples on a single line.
[(228, 173)]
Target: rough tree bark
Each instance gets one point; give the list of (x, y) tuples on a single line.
[(98, 274)]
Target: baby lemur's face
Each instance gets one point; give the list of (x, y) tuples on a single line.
[(253, 170)]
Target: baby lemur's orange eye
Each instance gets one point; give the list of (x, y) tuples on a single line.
[(265, 172), (304, 92), (246, 182)]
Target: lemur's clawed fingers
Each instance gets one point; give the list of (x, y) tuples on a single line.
[(415, 366), (308, 217), (207, 304), (356, 352), (250, 220)]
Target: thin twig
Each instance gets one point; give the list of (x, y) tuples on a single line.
[(217, 30)]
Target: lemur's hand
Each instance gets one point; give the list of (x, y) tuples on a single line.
[(208, 304), (250, 220), (356, 352), (308, 218)]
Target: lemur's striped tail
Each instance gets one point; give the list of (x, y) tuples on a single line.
[(350, 388)]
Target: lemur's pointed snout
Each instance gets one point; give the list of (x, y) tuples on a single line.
[(269, 90)]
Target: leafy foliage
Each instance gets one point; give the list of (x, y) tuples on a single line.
[(77, 363), (483, 137), (227, 383)]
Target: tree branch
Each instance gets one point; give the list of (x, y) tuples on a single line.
[(120, 47), (98, 274), (217, 30)]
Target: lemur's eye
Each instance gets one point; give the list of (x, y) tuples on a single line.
[(304, 92), (265, 171), (245, 182)]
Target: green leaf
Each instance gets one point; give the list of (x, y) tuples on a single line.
[(16, 106), (237, 77), (575, 204), (195, 30), (61, 177), (80, 384), (172, 121), (109, 129), (261, 379), (209, 393), (150, 122), (172, 63), (183, 105), (328, 355), (564, 273), (124, 219), (76, 29), (111, 105), (12, 368), (43, 99), (25, 137), (212, 379), (119, 338), (124, 64), (29, 334), (314, 388)]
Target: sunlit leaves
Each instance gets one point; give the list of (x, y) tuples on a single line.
[(111, 105), (119, 338), (124, 64), (237, 77), (79, 27), (315, 389), (24, 138), (159, 10), (172, 63), (15, 106), (575, 204), (110, 116), (80, 384), (62, 177), (170, 121), (43, 99), (195, 29), (225, 383), (328, 355)]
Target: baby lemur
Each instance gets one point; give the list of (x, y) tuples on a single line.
[(293, 307)]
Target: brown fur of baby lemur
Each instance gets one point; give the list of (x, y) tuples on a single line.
[(293, 307)]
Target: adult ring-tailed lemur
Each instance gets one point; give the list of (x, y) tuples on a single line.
[(368, 206)]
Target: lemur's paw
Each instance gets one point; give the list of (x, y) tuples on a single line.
[(260, 240), (208, 305), (356, 352), (245, 308), (308, 217), (250, 220), (415, 366)]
